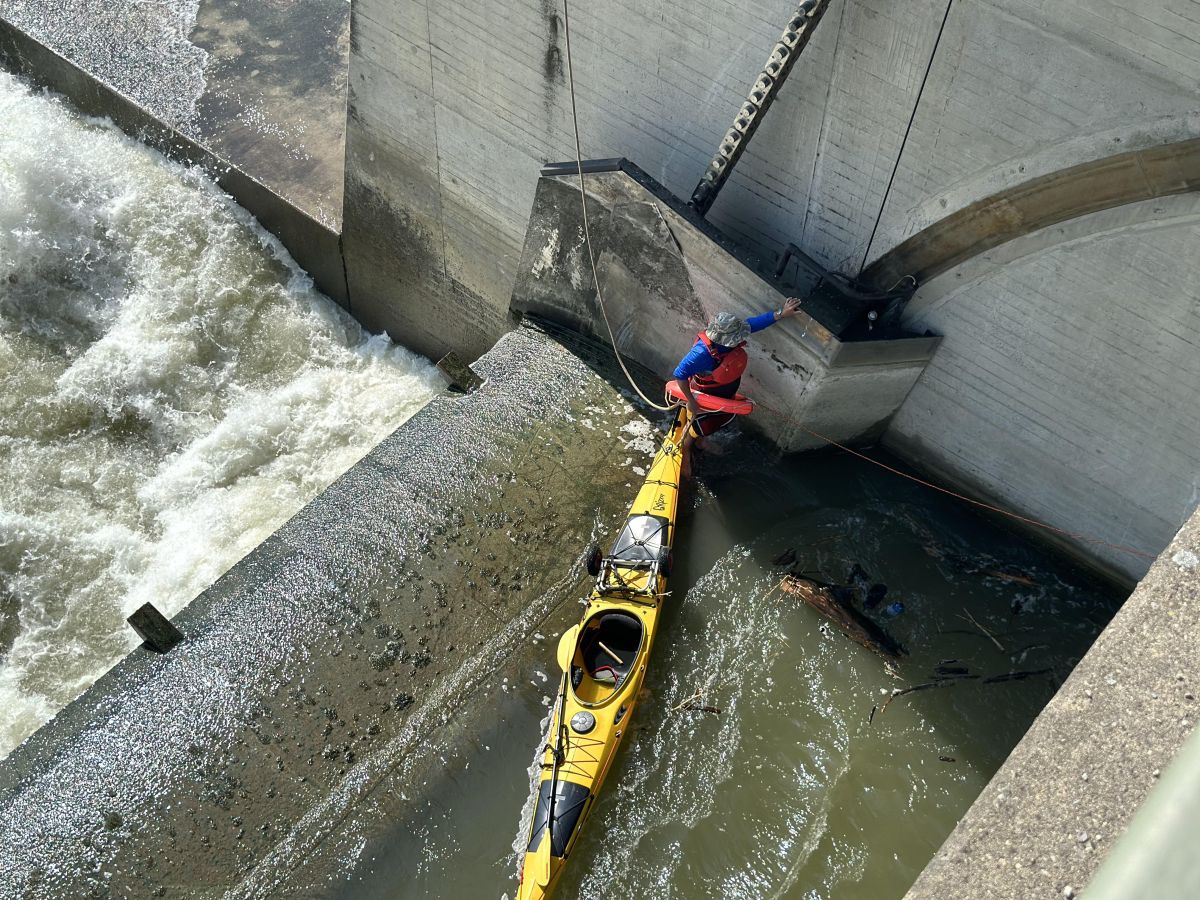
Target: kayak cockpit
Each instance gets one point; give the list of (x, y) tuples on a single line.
[(605, 653)]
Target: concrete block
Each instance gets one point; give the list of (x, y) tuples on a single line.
[(663, 273), (154, 628)]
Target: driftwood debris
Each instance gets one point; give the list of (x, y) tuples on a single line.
[(910, 690), (949, 671), (942, 678), (786, 558), (833, 605), (1016, 676), (694, 703), (1013, 577), (975, 622)]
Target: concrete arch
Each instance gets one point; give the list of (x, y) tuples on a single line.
[(1139, 216), (1143, 173), (1065, 383)]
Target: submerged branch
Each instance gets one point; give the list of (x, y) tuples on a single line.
[(991, 636), (853, 623)]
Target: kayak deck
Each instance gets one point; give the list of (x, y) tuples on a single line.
[(604, 661)]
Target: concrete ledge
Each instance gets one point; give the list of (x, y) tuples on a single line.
[(664, 273), (314, 246), (1070, 788), (333, 652)]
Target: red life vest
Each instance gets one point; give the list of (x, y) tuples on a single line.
[(728, 368)]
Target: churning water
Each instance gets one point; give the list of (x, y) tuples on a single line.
[(765, 760), (172, 389)]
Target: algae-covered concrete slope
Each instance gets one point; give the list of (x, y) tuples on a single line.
[(332, 653)]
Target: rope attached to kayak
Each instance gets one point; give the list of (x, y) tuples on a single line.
[(587, 233)]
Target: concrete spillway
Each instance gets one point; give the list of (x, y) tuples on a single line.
[(328, 655)]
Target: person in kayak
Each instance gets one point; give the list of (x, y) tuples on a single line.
[(717, 360)]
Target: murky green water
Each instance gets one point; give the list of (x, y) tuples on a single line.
[(790, 790)]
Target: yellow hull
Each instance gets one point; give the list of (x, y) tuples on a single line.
[(604, 661)]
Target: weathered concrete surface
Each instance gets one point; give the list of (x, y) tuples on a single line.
[(275, 183), (331, 655), (1070, 787), (454, 106), (663, 276), (259, 83), (1156, 856), (1066, 385), (1021, 90), (940, 127), (998, 97)]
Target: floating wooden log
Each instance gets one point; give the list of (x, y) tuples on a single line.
[(829, 603), (154, 628), (1016, 676)]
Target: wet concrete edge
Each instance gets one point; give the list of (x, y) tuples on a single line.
[(317, 664), (315, 246), (1068, 790)]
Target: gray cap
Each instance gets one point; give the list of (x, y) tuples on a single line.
[(727, 329)]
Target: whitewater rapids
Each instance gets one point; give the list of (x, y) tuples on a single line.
[(172, 389)]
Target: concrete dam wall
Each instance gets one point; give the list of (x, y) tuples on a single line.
[(989, 120), (1053, 147)]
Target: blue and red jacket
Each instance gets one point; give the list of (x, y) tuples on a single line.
[(710, 367)]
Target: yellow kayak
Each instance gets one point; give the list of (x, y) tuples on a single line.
[(603, 660)]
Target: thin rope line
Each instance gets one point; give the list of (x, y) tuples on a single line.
[(1036, 523), (904, 142), (587, 233)]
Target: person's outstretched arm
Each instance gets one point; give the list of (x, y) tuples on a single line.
[(791, 306)]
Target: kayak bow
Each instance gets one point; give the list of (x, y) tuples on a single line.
[(603, 661)]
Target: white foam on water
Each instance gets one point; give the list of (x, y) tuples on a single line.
[(172, 389)]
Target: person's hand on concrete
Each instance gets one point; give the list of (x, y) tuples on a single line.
[(791, 306)]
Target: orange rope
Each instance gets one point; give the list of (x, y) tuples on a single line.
[(1078, 535)]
